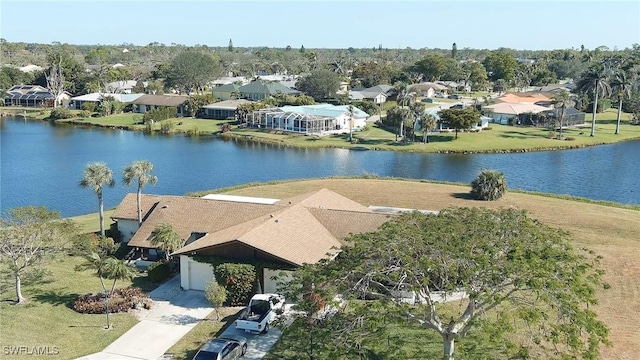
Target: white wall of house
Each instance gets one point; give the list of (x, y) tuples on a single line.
[(194, 275), (502, 118), (343, 121), (270, 285), (127, 228)]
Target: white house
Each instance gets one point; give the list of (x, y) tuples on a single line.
[(319, 119)]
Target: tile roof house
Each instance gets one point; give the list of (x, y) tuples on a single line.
[(149, 102), (505, 112), (259, 89), (290, 232)]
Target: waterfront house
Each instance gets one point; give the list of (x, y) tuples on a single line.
[(149, 102)]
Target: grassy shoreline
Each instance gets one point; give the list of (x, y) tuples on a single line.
[(500, 139)]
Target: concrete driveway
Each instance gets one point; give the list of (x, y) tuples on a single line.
[(258, 345), (174, 313)]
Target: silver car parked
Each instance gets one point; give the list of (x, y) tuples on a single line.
[(223, 348)]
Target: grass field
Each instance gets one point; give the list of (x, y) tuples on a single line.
[(48, 320), (499, 138), (613, 233)]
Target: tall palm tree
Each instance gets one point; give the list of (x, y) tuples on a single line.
[(139, 171), (562, 99), (427, 123), (417, 112), (404, 97), (621, 86), (96, 176), (594, 80), (166, 239), (350, 123)]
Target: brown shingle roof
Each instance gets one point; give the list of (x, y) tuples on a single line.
[(302, 229), (189, 214), (325, 199), (128, 207), (161, 100)]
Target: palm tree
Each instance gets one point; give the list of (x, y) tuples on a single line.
[(96, 175), (108, 268), (166, 239), (404, 97), (562, 99), (621, 86), (417, 112), (594, 80), (350, 123), (427, 122), (140, 171)]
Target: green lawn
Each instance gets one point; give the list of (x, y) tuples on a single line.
[(498, 138), (131, 121), (47, 319)]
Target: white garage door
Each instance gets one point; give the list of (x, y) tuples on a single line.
[(199, 275)]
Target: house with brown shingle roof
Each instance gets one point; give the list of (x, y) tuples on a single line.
[(290, 232), (149, 102)]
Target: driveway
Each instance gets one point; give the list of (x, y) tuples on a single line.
[(174, 313)]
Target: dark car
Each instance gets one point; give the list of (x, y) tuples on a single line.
[(222, 348), (457, 106), (454, 96), (427, 100)]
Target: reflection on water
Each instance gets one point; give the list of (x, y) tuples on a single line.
[(42, 164)]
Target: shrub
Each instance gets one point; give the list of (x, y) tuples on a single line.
[(89, 106), (489, 185), (85, 114), (167, 126), (159, 272), (122, 300), (159, 114), (238, 280), (61, 113), (216, 294), (83, 244)]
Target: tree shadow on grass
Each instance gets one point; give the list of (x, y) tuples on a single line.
[(464, 196), (55, 297), (439, 139)]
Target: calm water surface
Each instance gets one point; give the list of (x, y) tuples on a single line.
[(42, 163)]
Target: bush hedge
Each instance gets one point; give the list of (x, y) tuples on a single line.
[(238, 279), (61, 113), (122, 300), (159, 114), (159, 272)]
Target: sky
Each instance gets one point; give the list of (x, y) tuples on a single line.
[(516, 24)]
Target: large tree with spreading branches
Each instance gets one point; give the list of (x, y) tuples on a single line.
[(511, 274)]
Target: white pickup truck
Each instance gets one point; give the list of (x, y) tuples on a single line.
[(261, 311)]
